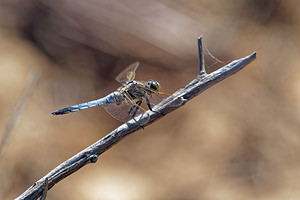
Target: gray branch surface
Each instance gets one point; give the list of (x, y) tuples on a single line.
[(179, 98)]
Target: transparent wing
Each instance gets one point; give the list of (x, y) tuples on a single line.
[(158, 97), (127, 74), (125, 110)]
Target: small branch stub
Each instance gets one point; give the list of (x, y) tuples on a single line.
[(93, 158), (201, 57)]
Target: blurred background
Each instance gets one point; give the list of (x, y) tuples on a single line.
[(238, 140)]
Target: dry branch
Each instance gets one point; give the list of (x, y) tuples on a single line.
[(90, 154)]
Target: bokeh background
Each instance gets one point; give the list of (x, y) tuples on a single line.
[(238, 140)]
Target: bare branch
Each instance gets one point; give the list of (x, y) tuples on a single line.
[(179, 98)]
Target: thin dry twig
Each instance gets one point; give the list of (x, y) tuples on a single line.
[(32, 81), (179, 98)]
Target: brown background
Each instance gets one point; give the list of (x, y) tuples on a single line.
[(238, 140)]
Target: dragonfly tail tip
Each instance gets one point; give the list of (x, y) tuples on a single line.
[(55, 113)]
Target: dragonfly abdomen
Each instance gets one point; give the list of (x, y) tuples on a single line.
[(114, 97), (82, 106)]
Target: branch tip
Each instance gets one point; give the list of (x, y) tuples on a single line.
[(253, 55)]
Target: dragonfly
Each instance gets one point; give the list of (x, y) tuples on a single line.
[(126, 102)]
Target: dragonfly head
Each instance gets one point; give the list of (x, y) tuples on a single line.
[(154, 85)]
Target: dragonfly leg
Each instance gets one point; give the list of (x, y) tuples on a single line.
[(150, 108), (135, 109), (130, 110)]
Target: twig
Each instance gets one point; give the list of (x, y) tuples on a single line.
[(31, 83), (90, 154)]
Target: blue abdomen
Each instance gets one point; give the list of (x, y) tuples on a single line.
[(82, 106)]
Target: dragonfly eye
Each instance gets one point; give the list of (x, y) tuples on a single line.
[(154, 85)]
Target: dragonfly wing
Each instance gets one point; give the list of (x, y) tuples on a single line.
[(127, 74), (124, 111), (158, 97)]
